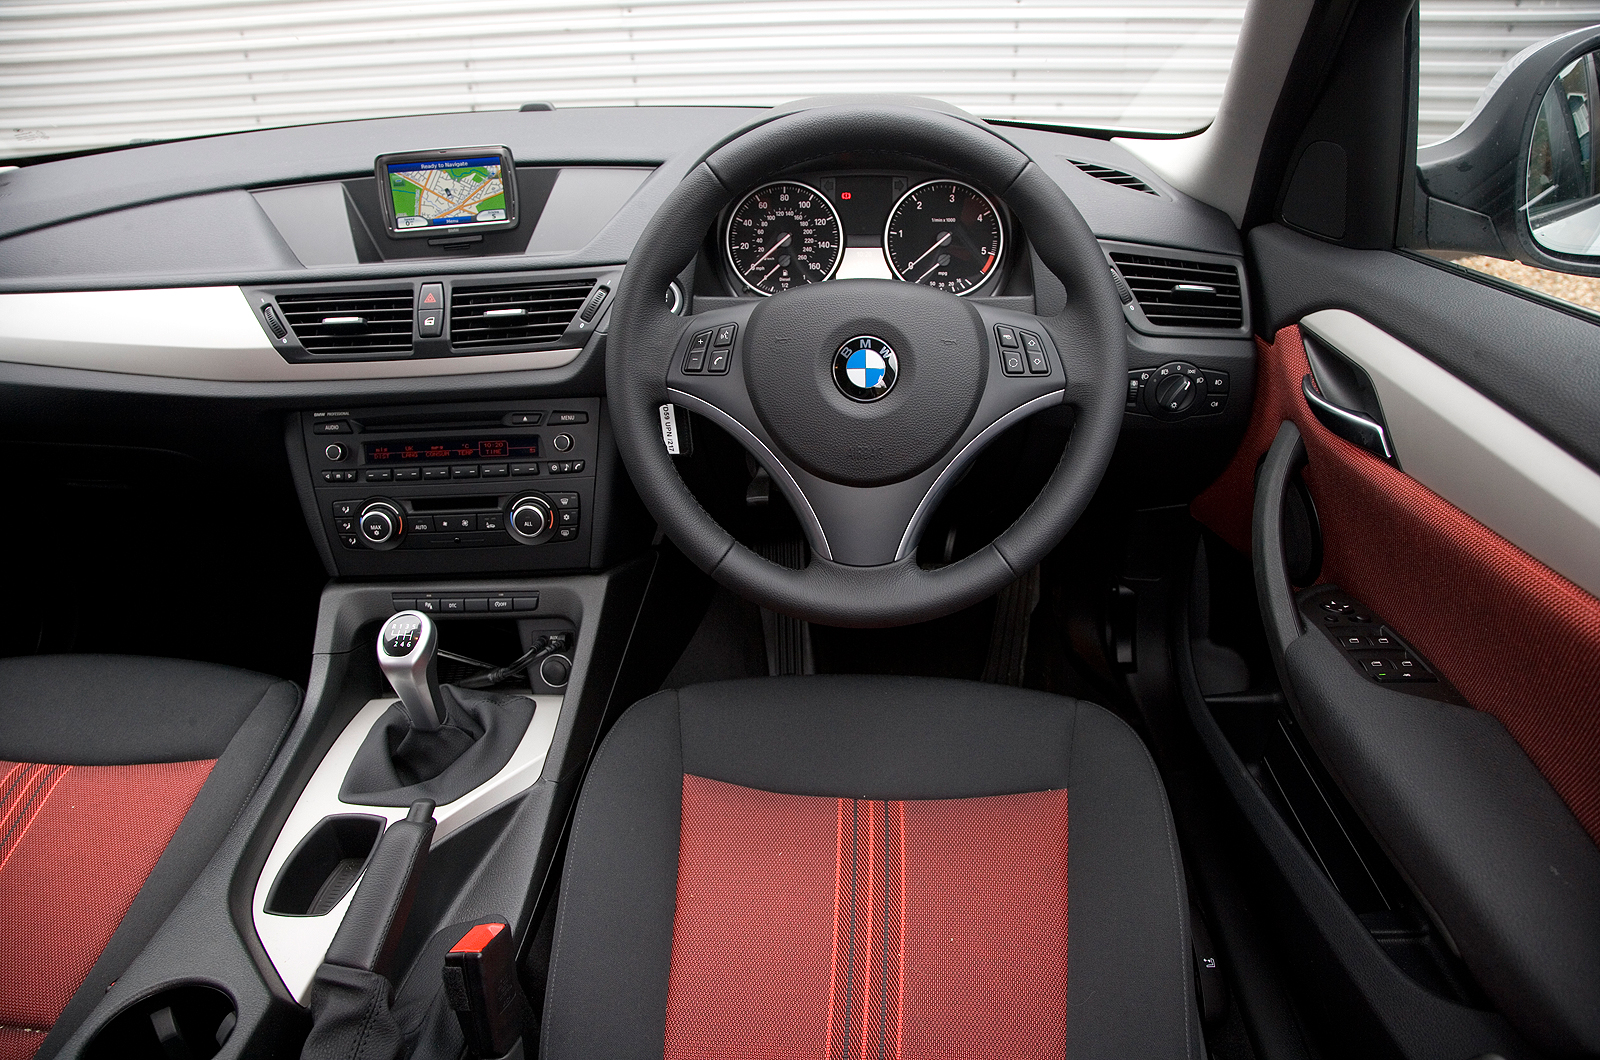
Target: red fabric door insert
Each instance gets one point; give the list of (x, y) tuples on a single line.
[(76, 844), (846, 929)]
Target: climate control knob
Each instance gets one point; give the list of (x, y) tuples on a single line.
[(381, 526), (533, 519)]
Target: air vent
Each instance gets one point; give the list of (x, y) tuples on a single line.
[(514, 316), (366, 322), (1114, 176), (1182, 293)]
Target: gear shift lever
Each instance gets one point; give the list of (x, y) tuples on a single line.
[(406, 648)]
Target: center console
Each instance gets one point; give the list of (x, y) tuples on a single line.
[(452, 489)]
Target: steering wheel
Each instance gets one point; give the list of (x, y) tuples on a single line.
[(865, 399)]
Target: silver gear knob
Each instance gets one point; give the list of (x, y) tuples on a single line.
[(406, 654)]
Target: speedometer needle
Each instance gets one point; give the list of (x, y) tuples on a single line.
[(944, 237), (787, 236)]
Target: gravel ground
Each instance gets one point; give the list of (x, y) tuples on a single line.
[(1579, 290)]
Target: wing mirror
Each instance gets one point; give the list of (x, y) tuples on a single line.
[(1519, 180)]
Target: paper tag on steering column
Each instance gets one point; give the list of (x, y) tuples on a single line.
[(669, 430)]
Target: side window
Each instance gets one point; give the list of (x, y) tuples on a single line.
[(1540, 230)]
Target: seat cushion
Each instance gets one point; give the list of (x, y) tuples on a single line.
[(854, 866), (118, 778)]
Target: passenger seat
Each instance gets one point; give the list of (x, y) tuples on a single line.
[(119, 777)]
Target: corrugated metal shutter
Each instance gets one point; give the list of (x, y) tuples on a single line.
[(1464, 42), (91, 73)]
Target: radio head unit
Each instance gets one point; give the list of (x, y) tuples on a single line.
[(458, 189)]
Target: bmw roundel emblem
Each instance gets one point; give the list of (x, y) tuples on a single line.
[(864, 369)]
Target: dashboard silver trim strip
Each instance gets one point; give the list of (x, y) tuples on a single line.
[(769, 460), (201, 333)]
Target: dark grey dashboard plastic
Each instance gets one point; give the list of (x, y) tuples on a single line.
[(111, 220)]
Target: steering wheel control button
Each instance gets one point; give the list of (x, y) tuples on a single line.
[(1033, 350), (1006, 336), (1011, 362), (717, 364), (725, 335), (865, 368)]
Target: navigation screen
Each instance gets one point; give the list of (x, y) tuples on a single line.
[(524, 448), (431, 190)]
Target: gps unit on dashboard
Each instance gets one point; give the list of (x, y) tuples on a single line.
[(447, 191)]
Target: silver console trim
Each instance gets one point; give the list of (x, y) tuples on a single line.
[(204, 333), (296, 944)]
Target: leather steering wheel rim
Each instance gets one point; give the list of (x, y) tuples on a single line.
[(1088, 334)]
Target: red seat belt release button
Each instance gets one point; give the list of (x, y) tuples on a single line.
[(480, 982)]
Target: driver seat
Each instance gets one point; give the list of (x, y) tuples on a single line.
[(852, 867)]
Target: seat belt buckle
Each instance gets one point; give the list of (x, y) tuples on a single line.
[(480, 983)]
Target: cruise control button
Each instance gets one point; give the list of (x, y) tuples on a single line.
[(1007, 337), (1011, 362), (694, 361)]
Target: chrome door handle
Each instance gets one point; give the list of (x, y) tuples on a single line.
[(1353, 427)]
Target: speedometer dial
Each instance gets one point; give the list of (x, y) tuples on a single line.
[(783, 235), (944, 234)]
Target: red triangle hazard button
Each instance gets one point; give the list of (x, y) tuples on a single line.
[(429, 298), (432, 294)]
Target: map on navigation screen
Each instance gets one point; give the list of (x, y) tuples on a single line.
[(451, 191)]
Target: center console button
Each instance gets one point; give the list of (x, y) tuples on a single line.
[(493, 471), (562, 442), (524, 469), (522, 419), (331, 427), (491, 522), (564, 500), (434, 474), (334, 451), (464, 471), (407, 474), (379, 474), (566, 419)]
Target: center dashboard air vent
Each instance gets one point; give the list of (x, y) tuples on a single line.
[(356, 322), (1183, 293), (514, 316)]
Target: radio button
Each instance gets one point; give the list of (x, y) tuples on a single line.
[(380, 474), (434, 474), (464, 471), (493, 471), (524, 469), (522, 419), (334, 452), (562, 442), (331, 427), (407, 474), (338, 476)]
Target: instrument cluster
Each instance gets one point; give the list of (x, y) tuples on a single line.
[(935, 231)]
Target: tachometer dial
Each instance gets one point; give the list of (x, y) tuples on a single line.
[(783, 235), (944, 234)]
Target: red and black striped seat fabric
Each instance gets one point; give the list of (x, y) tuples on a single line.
[(847, 868), (118, 778)]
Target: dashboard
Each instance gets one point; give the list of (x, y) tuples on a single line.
[(444, 309)]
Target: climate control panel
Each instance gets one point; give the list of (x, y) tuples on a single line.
[(461, 489)]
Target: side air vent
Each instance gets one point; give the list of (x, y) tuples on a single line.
[(1114, 176), (514, 316), (366, 322), (1183, 292)]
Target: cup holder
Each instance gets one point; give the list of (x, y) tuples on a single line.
[(325, 865), (191, 1020)]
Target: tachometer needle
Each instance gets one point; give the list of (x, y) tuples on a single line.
[(944, 237), (787, 236)]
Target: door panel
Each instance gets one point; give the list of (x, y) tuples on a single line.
[(1518, 640)]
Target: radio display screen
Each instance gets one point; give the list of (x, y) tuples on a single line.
[(404, 452), (425, 192)]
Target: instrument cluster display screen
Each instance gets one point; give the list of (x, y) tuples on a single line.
[(426, 192), (413, 452)]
